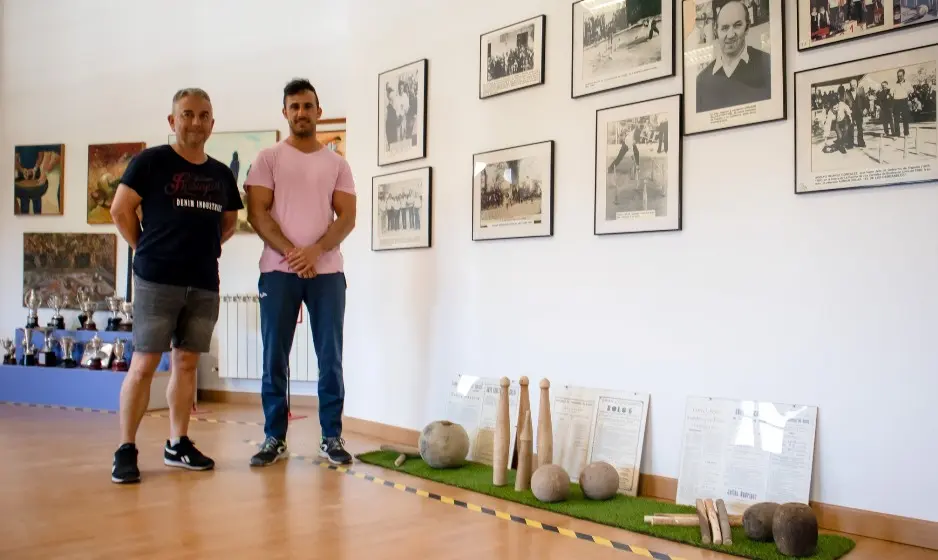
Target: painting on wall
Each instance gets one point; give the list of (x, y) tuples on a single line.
[(513, 192), (867, 122), (238, 150), (826, 22), (401, 213), (61, 263), (402, 113), (734, 63), (638, 167), (618, 43), (331, 132), (106, 166), (39, 179), (512, 58)]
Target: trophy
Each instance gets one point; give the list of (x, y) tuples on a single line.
[(47, 356), (57, 303), (68, 350), (32, 302), (119, 364), (9, 347), (94, 346), (114, 303), (81, 299), (88, 308), (127, 310), (29, 349)]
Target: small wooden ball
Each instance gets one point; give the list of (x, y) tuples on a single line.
[(599, 481), (444, 444), (795, 530), (550, 483)]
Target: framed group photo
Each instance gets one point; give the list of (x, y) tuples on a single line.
[(867, 122), (827, 22), (513, 192), (512, 57), (618, 43), (402, 113), (734, 63), (638, 167), (401, 210)]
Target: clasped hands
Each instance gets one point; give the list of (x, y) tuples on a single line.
[(302, 260)]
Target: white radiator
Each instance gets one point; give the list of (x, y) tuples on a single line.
[(240, 347)]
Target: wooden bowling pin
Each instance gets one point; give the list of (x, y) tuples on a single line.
[(524, 406), (545, 430), (526, 439), (502, 437)]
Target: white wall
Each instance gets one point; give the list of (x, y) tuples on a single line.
[(99, 71), (824, 299)]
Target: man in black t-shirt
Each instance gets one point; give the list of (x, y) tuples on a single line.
[(190, 204)]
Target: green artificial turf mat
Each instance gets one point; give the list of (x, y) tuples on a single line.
[(622, 511)]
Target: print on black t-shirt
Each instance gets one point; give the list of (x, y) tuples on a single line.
[(182, 207)]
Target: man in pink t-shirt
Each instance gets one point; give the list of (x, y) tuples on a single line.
[(301, 202)]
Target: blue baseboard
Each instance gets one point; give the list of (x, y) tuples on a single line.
[(73, 387)]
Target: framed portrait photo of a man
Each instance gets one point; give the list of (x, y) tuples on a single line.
[(402, 113), (734, 63)]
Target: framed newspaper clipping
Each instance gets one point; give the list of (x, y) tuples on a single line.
[(867, 122), (734, 63)]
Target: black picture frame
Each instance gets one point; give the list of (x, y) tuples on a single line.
[(418, 150), (666, 34), (885, 176), (645, 220), (540, 66), (535, 228), (424, 219), (779, 95), (804, 26)]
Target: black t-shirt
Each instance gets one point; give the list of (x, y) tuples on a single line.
[(182, 206)]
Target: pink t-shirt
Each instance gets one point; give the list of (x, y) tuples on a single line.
[(303, 185)]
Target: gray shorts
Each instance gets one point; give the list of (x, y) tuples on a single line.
[(165, 314)]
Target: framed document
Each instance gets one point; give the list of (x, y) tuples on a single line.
[(402, 113), (827, 22), (867, 123), (638, 167), (512, 58), (473, 404), (513, 192), (734, 63), (616, 45), (745, 452), (401, 210)]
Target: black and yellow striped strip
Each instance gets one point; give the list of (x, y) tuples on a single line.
[(58, 407), (484, 510)]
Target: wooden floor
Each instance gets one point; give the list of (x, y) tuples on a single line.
[(57, 502)]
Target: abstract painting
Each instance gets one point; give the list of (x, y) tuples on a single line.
[(106, 165), (60, 263), (238, 150), (39, 179)]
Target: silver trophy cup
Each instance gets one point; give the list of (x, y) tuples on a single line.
[(32, 302)]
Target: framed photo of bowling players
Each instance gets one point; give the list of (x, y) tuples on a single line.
[(402, 113), (512, 58), (401, 210), (734, 63), (827, 22), (867, 122), (638, 167)]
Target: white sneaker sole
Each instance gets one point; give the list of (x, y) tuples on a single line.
[(326, 456), (187, 466)]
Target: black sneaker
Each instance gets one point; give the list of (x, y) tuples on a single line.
[(271, 451), (125, 468), (185, 455), (332, 448)]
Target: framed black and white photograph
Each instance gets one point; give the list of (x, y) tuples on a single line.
[(401, 210), (402, 113), (513, 192), (828, 22), (734, 63), (512, 57), (867, 122), (638, 167), (618, 43)]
